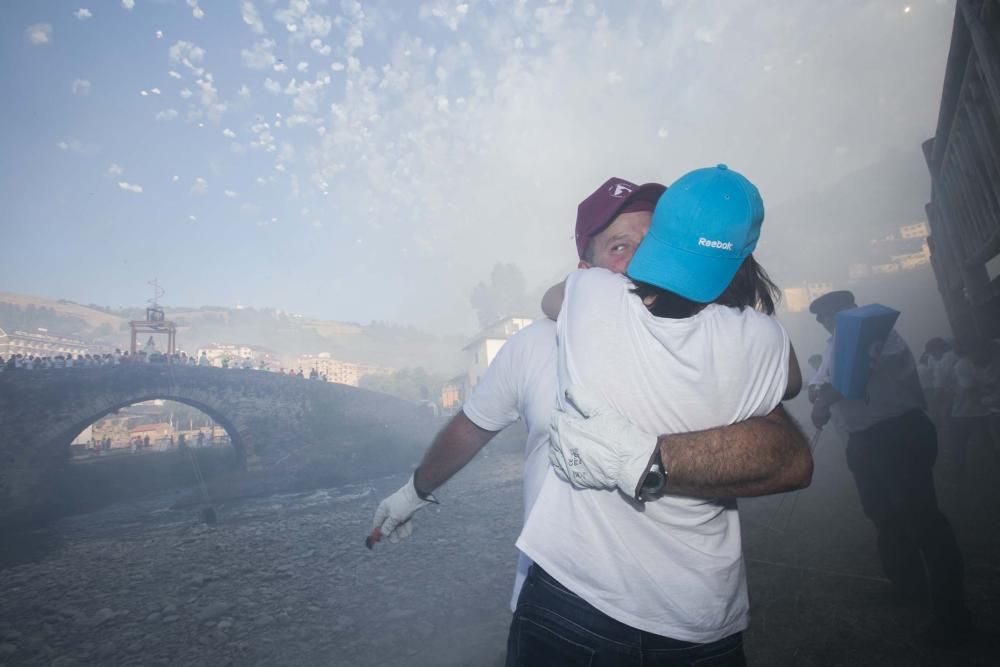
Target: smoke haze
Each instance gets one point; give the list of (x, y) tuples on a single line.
[(373, 162)]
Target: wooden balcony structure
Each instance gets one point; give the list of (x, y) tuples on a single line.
[(964, 162)]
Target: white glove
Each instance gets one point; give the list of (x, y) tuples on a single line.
[(602, 449), (393, 515)]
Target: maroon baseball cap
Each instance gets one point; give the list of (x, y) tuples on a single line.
[(615, 197)]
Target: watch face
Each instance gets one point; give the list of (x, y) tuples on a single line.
[(654, 482)]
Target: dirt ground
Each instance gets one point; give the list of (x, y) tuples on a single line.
[(818, 596), (286, 580)]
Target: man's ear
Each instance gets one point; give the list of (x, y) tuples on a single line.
[(583, 264)]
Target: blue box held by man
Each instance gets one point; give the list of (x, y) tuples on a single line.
[(860, 335)]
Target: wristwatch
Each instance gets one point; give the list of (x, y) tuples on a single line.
[(655, 480)]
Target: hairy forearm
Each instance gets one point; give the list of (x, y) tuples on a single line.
[(756, 457), (453, 447)]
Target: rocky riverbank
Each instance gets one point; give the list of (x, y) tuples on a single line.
[(286, 580), (278, 580)]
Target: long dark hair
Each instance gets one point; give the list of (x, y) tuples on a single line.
[(751, 287)]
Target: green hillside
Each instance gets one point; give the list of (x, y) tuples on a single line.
[(286, 334)]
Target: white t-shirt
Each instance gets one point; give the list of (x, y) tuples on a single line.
[(673, 567), (973, 386), (893, 387), (521, 383), (944, 371)]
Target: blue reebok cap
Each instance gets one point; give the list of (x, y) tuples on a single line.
[(703, 227)]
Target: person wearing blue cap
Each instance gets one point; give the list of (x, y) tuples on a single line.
[(685, 342)]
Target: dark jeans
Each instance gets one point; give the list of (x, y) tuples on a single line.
[(892, 463), (553, 627)]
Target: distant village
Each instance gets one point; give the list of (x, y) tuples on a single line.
[(905, 250)]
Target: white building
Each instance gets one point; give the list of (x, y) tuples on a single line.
[(816, 290), (335, 370), (796, 299), (40, 344), (485, 346), (235, 354), (919, 230)]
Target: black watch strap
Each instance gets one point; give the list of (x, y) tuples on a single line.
[(655, 479)]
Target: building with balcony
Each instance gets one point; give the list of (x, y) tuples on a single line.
[(234, 355), (335, 370), (918, 230), (453, 394), (40, 344), (964, 162), (795, 299)]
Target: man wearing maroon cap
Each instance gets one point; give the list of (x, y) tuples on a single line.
[(620, 205), (756, 457)]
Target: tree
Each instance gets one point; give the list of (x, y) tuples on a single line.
[(504, 296), (413, 384)]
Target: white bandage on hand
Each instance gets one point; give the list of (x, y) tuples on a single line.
[(392, 517), (600, 450)]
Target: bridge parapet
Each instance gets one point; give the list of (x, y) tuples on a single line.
[(271, 419)]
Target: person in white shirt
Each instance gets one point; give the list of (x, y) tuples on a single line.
[(975, 378), (891, 450), (939, 389), (758, 456), (675, 346)]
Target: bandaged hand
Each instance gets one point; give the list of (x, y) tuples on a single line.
[(600, 450), (393, 515)]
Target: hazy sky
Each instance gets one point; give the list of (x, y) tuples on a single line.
[(373, 160)]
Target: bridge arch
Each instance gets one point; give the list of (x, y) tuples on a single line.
[(272, 420), (235, 438)]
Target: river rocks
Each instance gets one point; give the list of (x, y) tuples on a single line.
[(342, 624), (106, 650), (102, 617), (214, 610), (199, 579), (279, 580)]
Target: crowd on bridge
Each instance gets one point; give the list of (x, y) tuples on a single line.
[(20, 361), (29, 362)]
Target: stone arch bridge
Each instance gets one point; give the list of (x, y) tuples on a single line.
[(270, 418)]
